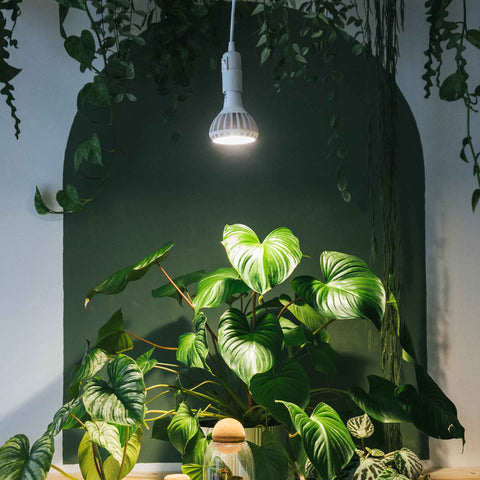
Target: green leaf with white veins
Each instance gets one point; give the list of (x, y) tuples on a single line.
[(350, 289), (92, 363), (408, 463), (361, 426), (262, 265), (119, 400), (215, 288), (326, 440), (19, 462), (106, 435), (248, 349)]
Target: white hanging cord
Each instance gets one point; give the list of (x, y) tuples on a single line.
[(232, 21)]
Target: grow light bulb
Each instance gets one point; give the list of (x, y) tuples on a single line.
[(233, 125)]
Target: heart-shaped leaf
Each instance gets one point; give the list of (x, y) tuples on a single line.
[(326, 440), (248, 349), (453, 87), (183, 427), (215, 288), (407, 463), (121, 400), (106, 435), (117, 282), (89, 151), (145, 363), (160, 429), (182, 282), (18, 462), (380, 403), (82, 48), (361, 426), (80, 413), (350, 290), (193, 347), (111, 466), (271, 459), (289, 383), (264, 265), (95, 93), (112, 337), (430, 410), (195, 449), (91, 364)]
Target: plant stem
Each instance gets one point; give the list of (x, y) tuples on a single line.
[(71, 477), (124, 454), (338, 391), (98, 462), (174, 349), (254, 317), (287, 305), (324, 326), (92, 21), (176, 287), (157, 396)]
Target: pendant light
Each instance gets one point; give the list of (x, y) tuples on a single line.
[(233, 125)]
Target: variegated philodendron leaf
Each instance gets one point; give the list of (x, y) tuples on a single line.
[(62, 416), (106, 435), (262, 265), (91, 364), (248, 349), (361, 426), (19, 462), (408, 463), (391, 474), (350, 290)]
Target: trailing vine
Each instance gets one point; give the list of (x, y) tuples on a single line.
[(448, 35), (9, 13)]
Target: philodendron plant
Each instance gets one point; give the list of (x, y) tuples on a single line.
[(249, 364)]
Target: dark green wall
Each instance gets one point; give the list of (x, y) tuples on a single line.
[(188, 191)]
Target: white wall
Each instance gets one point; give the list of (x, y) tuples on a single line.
[(31, 325)]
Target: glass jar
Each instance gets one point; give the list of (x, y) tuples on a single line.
[(228, 457)]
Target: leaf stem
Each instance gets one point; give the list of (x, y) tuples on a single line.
[(254, 316), (71, 477), (287, 305), (176, 287), (124, 454), (174, 349)]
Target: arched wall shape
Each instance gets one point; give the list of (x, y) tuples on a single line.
[(186, 191)]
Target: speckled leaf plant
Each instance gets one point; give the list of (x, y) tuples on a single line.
[(249, 365)]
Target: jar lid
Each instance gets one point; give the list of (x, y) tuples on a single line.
[(176, 476), (228, 430)]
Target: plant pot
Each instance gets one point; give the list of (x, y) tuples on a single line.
[(254, 434)]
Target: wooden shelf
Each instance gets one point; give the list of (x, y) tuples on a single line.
[(441, 474)]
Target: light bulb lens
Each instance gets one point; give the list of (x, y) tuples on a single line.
[(233, 140)]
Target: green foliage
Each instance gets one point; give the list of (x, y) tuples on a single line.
[(248, 348), (81, 48), (88, 151), (106, 436), (361, 426), (262, 265), (145, 362), (182, 428), (62, 416), (350, 289), (326, 439), (117, 282), (91, 364), (271, 459), (112, 337), (182, 282), (288, 382), (324, 358), (380, 403), (119, 400), (193, 347), (217, 287), (19, 462)]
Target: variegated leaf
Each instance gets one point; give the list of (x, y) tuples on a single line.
[(262, 265), (215, 288), (248, 349), (361, 426), (391, 474), (106, 435), (350, 289), (408, 463)]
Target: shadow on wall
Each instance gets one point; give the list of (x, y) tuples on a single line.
[(187, 191)]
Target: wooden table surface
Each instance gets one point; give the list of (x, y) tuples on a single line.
[(441, 474)]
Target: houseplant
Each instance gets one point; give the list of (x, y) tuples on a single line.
[(250, 368)]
